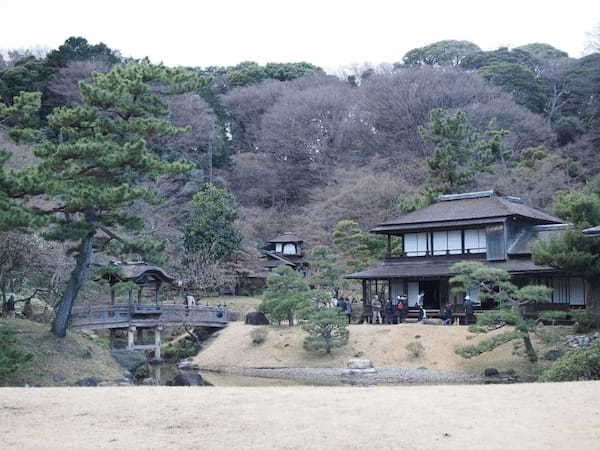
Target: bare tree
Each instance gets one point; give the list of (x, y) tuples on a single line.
[(64, 85)]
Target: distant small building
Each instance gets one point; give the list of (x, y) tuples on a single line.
[(285, 250)]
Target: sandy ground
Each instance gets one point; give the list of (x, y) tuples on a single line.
[(385, 345), (531, 416)]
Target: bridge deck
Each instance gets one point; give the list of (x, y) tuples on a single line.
[(122, 316)]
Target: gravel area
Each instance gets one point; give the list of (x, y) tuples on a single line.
[(379, 376), (491, 417)]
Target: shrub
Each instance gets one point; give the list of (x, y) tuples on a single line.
[(547, 337), (581, 364), (327, 329), (487, 345), (11, 358), (415, 349), (476, 329), (497, 316), (259, 335), (553, 316), (585, 321)]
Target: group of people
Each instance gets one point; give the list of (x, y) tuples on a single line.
[(344, 305), (397, 312)]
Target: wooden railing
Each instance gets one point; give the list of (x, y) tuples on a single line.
[(122, 316)]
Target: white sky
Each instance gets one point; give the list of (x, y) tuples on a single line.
[(329, 33)]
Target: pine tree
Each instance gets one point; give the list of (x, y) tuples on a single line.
[(327, 329), (287, 295), (93, 173)]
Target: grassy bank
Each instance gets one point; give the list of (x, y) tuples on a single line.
[(58, 361), (385, 345)]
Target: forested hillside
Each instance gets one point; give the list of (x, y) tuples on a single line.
[(301, 150)]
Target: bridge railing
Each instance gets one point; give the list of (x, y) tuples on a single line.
[(121, 315)]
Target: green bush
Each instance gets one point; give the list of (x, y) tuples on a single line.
[(585, 321), (259, 335), (11, 358), (487, 345), (547, 337), (327, 329), (415, 349), (477, 329), (497, 316), (553, 316), (581, 364)]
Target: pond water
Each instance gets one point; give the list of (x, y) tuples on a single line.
[(161, 374)]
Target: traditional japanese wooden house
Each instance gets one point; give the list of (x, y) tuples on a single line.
[(285, 250), (478, 226)]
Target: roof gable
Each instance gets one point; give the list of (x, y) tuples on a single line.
[(454, 209), (286, 237)]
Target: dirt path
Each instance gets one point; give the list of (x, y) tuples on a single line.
[(532, 416)]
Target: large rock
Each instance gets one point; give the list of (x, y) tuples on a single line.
[(256, 318), (491, 372), (553, 355), (187, 378), (187, 364), (129, 360), (89, 381), (360, 364)]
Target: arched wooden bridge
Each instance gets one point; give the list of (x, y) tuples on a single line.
[(146, 316), (135, 318)]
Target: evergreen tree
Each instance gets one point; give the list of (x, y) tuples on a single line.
[(572, 251), (327, 273), (211, 223), (495, 285), (327, 329), (459, 150), (92, 175), (287, 295), (359, 249)]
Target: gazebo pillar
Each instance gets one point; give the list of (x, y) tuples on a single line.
[(130, 338), (157, 331)]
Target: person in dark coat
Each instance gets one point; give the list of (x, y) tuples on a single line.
[(10, 307), (469, 311), (402, 309), (348, 310), (447, 315)]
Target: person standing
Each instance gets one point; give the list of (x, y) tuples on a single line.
[(10, 307), (401, 307), (376, 309), (349, 310), (468, 308)]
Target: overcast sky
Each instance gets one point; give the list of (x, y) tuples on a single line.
[(329, 33)]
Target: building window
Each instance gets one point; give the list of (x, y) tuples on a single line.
[(289, 249), (278, 248), (447, 242), (415, 244), (475, 241)]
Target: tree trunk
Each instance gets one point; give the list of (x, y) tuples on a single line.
[(291, 319), (78, 275), (531, 354)]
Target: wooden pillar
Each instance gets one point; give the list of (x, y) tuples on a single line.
[(112, 295), (157, 331), (156, 299), (140, 335), (130, 338), (139, 299), (389, 245), (364, 291)]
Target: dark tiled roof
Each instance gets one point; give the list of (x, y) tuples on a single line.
[(522, 245), (286, 237), (592, 231), (136, 271), (427, 267), (456, 209)]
